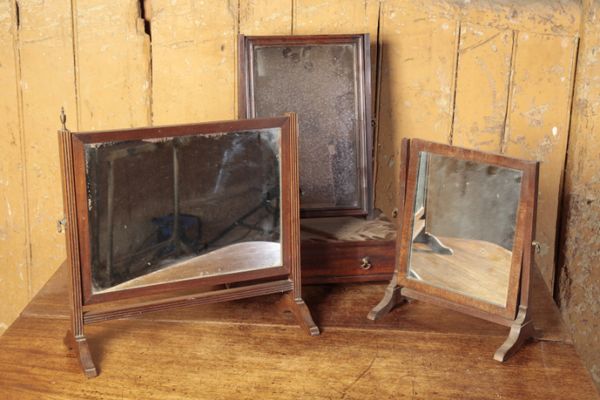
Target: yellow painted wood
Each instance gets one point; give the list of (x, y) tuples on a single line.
[(113, 65), (14, 277), (561, 17), (484, 62), (417, 84), (328, 17), (265, 17), (538, 124), (193, 51), (47, 83)]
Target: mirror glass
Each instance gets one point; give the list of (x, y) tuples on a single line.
[(320, 84), (185, 207), (464, 218)]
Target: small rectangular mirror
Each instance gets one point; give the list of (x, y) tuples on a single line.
[(326, 81), (466, 239), (464, 225)]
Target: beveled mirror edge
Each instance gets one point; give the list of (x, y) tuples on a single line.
[(245, 108), (520, 261), (79, 139)]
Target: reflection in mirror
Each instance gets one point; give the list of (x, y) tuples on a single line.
[(319, 82), (178, 208), (464, 226)]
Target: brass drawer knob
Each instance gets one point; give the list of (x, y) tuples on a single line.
[(365, 263)]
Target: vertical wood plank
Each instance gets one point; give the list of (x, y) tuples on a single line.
[(483, 76), (579, 284), (417, 85), (329, 17), (193, 59), (265, 17), (113, 65), (14, 279), (47, 83), (538, 123)]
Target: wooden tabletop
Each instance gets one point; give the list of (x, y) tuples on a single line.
[(246, 350)]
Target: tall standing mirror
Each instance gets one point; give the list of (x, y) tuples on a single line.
[(326, 80), (156, 212), (466, 237)]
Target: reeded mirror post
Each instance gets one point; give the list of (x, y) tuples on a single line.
[(75, 338)]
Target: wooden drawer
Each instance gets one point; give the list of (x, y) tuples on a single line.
[(342, 261)]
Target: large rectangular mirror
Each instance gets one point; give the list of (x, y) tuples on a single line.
[(183, 207), (466, 235), (326, 81), (166, 217)]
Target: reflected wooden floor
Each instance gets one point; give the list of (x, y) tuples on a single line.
[(237, 257), (477, 268)]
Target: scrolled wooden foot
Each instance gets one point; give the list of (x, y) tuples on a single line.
[(81, 348), (391, 299), (521, 330), (301, 313)]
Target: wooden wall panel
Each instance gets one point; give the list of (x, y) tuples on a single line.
[(579, 278), (14, 274), (538, 124), (47, 83), (342, 16), (193, 61), (417, 84), (483, 77), (113, 65), (265, 17)]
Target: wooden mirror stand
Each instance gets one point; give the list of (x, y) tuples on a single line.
[(89, 307), (515, 312)]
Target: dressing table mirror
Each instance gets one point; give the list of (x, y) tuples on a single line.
[(176, 216), (326, 80), (466, 237)]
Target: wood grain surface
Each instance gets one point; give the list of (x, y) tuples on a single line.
[(243, 350)]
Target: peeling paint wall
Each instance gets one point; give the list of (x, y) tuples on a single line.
[(579, 269), (492, 75), (495, 76)]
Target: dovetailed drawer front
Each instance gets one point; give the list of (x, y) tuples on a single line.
[(357, 261)]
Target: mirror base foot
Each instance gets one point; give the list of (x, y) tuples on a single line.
[(391, 299), (82, 350), (433, 242), (521, 330), (301, 313)]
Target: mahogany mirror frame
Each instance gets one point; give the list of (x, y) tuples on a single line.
[(246, 107), (515, 313), (88, 308)]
